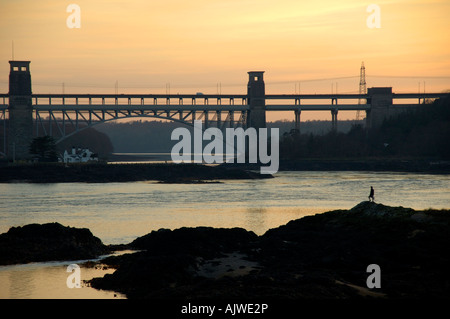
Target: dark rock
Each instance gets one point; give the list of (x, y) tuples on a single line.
[(317, 257), (199, 241), (169, 258), (408, 248), (48, 242)]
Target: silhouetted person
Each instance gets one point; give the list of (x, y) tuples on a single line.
[(372, 195)]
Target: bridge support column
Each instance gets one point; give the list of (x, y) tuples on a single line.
[(206, 120), (20, 131), (256, 100), (368, 119), (380, 99), (297, 114), (334, 114), (219, 119)]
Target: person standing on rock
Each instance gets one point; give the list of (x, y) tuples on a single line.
[(372, 195)]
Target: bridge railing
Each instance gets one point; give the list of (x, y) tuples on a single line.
[(136, 99)]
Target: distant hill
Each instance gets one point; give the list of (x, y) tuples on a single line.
[(90, 138), (96, 141), (154, 136)]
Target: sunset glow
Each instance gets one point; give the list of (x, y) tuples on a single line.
[(204, 45)]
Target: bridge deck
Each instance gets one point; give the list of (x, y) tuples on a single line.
[(200, 102), (223, 102)]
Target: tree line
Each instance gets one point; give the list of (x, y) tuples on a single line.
[(419, 133)]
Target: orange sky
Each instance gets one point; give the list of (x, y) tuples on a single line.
[(194, 45)]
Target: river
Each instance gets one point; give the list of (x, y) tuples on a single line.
[(120, 212)]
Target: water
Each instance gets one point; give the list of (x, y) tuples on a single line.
[(120, 212), (48, 281)]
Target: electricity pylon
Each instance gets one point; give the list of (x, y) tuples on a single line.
[(362, 87)]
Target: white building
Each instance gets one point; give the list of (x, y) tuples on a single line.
[(79, 155)]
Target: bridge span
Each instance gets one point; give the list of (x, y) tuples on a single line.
[(63, 115)]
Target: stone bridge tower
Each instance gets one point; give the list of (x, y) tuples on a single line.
[(256, 94), (20, 131), (380, 99)]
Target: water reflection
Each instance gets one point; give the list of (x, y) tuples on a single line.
[(255, 218), (48, 281), (21, 283)]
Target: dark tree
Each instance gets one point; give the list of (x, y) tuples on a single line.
[(422, 132), (44, 148)]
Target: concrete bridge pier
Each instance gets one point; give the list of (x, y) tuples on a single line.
[(297, 114), (334, 113), (380, 99), (256, 100), (334, 120), (20, 131)]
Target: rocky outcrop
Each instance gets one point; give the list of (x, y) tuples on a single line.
[(200, 241), (324, 256), (48, 242), (170, 258), (409, 246)]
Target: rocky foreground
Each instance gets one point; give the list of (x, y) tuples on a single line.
[(324, 256)]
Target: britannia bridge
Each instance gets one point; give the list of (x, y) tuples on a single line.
[(26, 115)]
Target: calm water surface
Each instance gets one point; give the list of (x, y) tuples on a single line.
[(121, 212)]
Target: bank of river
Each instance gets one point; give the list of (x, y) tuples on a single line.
[(104, 173)]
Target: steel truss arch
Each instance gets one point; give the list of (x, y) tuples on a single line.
[(62, 124)]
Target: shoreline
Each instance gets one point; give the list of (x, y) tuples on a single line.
[(432, 166), (106, 173), (200, 173)]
